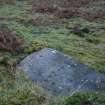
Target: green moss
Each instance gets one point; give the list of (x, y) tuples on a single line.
[(35, 46)]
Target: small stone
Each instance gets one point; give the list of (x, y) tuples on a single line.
[(54, 52), (60, 88)]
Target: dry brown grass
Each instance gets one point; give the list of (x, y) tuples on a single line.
[(69, 8), (9, 41)]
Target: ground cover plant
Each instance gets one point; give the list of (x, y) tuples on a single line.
[(79, 34)]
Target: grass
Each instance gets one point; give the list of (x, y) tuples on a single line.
[(84, 99), (20, 91), (86, 49), (55, 33)]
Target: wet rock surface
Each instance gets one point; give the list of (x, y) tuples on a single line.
[(60, 73)]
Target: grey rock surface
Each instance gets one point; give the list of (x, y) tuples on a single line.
[(60, 73)]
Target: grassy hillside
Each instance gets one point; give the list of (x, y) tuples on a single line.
[(38, 30)]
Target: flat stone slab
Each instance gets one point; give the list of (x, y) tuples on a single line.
[(60, 73)]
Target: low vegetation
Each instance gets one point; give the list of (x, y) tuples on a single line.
[(24, 27), (2, 2), (70, 8)]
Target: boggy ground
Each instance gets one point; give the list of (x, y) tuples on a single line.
[(80, 37)]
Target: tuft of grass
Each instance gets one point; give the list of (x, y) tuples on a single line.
[(21, 91), (85, 99)]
